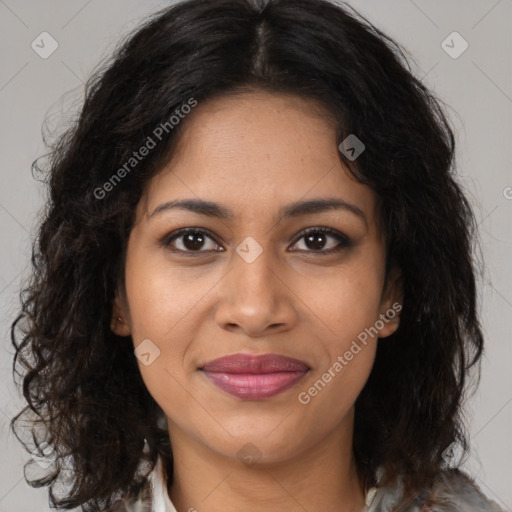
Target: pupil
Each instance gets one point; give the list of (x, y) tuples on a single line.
[(189, 242), (311, 239)]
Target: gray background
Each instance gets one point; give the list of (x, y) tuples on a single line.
[(477, 86)]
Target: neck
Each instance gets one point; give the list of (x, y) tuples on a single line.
[(323, 477)]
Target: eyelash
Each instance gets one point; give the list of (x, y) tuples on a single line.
[(343, 240)]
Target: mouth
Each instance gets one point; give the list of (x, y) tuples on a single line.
[(255, 377)]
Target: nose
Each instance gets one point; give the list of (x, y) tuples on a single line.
[(255, 298)]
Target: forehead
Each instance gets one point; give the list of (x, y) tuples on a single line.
[(255, 152)]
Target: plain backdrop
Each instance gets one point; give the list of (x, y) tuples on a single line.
[(476, 84)]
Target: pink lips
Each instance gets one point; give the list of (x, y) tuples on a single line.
[(255, 377)]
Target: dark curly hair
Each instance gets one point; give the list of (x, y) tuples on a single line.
[(85, 394)]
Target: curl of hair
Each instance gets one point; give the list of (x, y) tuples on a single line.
[(85, 394)]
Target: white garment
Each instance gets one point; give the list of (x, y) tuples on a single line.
[(162, 502)]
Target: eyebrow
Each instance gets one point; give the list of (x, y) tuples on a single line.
[(293, 210)]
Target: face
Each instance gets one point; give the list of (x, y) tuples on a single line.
[(267, 269)]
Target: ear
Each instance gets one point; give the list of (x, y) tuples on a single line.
[(119, 320), (391, 304)]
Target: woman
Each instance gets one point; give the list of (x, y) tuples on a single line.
[(253, 285)]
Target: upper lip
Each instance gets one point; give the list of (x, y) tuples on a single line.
[(247, 363)]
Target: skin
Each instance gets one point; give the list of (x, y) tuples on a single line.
[(255, 153)]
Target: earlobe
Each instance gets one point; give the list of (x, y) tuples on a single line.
[(389, 320), (118, 322), (391, 305)]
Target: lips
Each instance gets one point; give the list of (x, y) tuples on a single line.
[(255, 377)]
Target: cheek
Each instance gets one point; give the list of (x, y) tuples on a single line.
[(162, 325), (164, 322), (167, 307), (344, 303), (332, 389), (163, 300), (344, 309), (331, 396)]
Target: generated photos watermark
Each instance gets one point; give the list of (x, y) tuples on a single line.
[(305, 397), (149, 144), (351, 147)]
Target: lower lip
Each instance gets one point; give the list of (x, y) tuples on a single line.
[(254, 386)]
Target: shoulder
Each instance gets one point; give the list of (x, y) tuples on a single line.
[(453, 491)]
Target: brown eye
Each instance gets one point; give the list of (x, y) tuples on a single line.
[(190, 240), (320, 240)]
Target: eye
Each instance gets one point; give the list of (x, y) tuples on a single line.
[(190, 240), (316, 240)]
